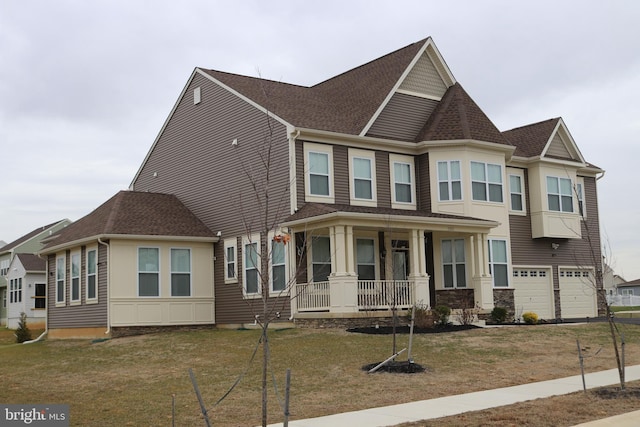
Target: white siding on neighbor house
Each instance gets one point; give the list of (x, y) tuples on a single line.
[(128, 309), (35, 317)]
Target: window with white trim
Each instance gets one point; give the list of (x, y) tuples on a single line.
[(559, 194), (486, 182), (449, 180), (75, 277), (278, 266), (318, 172), (366, 259), (498, 263), (230, 263), (148, 272), (580, 197), (453, 263), (516, 193), (626, 291), (4, 267), (402, 181), (320, 258), (15, 290), (91, 284), (362, 173), (180, 272), (251, 265), (60, 280)]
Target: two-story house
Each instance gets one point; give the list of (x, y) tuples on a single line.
[(382, 187), (21, 279)]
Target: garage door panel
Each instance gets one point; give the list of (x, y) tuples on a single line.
[(533, 291), (577, 294)]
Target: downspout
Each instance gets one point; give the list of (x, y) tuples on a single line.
[(46, 318), (108, 331)]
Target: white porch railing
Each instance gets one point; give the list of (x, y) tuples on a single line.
[(312, 296), (372, 295), (384, 294)]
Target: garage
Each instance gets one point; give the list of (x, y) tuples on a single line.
[(533, 291), (577, 293)]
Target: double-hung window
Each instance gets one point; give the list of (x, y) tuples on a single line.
[(580, 197), (15, 290), (366, 259), (486, 182), (180, 272), (230, 264), (515, 192), (362, 172), (449, 180), (60, 280), (92, 275), (75, 277), (453, 263), (320, 258), (278, 266), (319, 181), (148, 272), (498, 263), (251, 256), (402, 185), (559, 194)]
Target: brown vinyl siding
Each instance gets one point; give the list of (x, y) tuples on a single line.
[(341, 181), (83, 315), (423, 183), (383, 181), (403, 117), (572, 252), (300, 179), (194, 158)]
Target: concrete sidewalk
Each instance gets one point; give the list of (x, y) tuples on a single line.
[(477, 401)]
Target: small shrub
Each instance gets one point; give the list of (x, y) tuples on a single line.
[(441, 315), (423, 317), (466, 315), (530, 318), (499, 314), (23, 333)]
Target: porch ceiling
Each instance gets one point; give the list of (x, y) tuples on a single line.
[(318, 215)]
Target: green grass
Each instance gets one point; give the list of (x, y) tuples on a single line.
[(615, 309), (131, 381)]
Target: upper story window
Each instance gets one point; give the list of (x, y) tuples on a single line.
[(403, 182), (486, 182), (230, 264), (60, 280), (516, 191), (319, 172), (362, 172), (180, 272), (4, 267), (148, 272), (91, 290), (580, 196), (449, 180), (559, 194)]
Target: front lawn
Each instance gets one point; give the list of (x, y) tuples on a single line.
[(132, 381)]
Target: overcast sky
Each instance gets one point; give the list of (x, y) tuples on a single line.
[(85, 86)]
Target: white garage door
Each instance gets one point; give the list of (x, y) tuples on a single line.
[(577, 293), (533, 291)]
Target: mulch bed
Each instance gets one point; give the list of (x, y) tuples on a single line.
[(617, 393), (395, 367)]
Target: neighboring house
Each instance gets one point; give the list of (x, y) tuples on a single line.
[(30, 243), (629, 288), (611, 280), (393, 187), (27, 291), (140, 259)]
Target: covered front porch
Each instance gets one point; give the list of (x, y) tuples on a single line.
[(350, 264)]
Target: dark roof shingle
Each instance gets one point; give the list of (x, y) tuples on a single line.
[(32, 262), (531, 139)]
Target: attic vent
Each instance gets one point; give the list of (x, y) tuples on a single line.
[(196, 96)]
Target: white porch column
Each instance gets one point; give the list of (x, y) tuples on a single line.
[(343, 287), (350, 252), (418, 268), (482, 281)]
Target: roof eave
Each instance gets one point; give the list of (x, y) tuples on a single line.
[(98, 237)]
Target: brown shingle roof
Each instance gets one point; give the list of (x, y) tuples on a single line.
[(136, 213), (457, 116), (344, 103), (530, 140), (311, 210), (32, 262)]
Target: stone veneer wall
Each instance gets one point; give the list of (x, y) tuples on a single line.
[(455, 298), (127, 331), (504, 298), (352, 322)]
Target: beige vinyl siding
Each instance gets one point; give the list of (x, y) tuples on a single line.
[(83, 315), (557, 148), (403, 117), (424, 79)]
